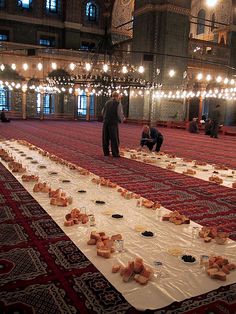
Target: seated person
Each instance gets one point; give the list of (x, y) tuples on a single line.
[(151, 137), (208, 127), (3, 116), (193, 126)]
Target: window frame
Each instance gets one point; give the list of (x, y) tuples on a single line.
[(4, 94), (50, 39), (22, 5), (2, 4), (201, 18), (48, 104), (91, 7), (49, 4)]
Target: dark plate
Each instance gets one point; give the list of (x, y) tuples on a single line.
[(53, 173), (117, 216), (34, 162), (42, 167), (100, 202), (29, 158), (82, 191), (147, 234), (65, 181)]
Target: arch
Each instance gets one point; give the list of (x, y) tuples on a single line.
[(91, 11), (122, 13), (213, 20), (201, 22)]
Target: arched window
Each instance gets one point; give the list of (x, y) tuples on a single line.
[(213, 20), (83, 100), (91, 12), (201, 22), (25, 3), (4, 98), (48, 104), (52, 6)]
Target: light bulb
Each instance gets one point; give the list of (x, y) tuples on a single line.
[(211, 3), (105, 67), (25, 66), (208, 77), (54, 65), (199, 76), (72, 66), (141, 69), (13, 66), (88, 66), (124, 69), (172, 73), (40, 66)]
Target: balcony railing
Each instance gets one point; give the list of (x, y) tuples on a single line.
[(207, 51)]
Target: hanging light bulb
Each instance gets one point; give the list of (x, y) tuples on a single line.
[(40, 66), (88, 66), (25, 66), (158, 71), (226, 80), (2, 67), (218, 79), (105, 67), (172, 73), (24, 88), (208, 77), (13, 66), (54, 65), (211, 3), (72, 66), (199, 76), (124, 69), (141, 69)]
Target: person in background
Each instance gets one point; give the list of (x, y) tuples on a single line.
[(3, 116), (150, 138), (112, 116), (193, 126), (215, 122), (208, 127)]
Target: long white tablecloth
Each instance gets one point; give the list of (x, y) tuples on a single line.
[(202, 172), (176, 282)]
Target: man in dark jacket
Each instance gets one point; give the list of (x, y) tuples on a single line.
[(151, 137), (3, 116), (215, 122), (112, 116)]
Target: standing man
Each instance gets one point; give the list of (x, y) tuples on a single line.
[(215, 122), (112, 116), (151, 137)]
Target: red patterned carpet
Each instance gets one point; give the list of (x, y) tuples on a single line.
[(41, 271), (80, 142)]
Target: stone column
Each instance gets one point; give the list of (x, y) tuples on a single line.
[(24, 100)]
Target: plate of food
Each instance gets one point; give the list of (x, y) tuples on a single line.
[(188, 259), (148, 234), (117, 216)]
